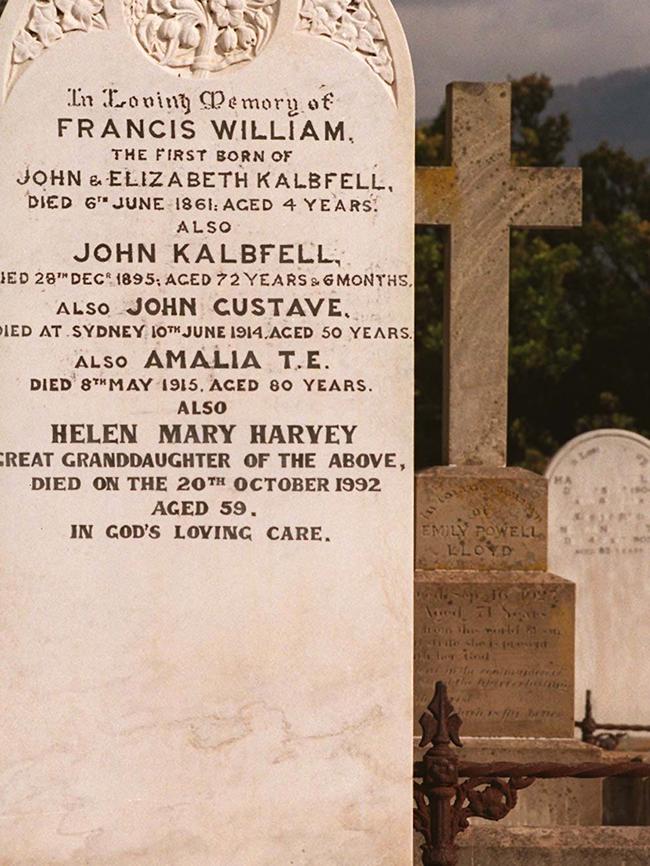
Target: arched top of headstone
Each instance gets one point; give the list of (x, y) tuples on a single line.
[(212, 39), (606, 436)]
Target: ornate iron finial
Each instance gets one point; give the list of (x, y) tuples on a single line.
[(440, 723)]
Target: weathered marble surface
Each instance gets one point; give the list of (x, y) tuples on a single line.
[(599, 537), (202, 703)]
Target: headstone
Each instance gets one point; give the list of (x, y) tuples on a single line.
[(491, 620), (207, 429), (599, 530)]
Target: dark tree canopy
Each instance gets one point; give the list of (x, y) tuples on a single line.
[(579, 299)]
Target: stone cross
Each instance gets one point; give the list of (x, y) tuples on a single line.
[(479, 196)]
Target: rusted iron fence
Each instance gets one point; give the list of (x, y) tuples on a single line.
[(606, 736), (449, 792)]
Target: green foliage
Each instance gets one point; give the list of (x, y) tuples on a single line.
[(579, 299), (429, 280), (536, 142)]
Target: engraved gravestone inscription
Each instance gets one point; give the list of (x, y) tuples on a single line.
[(475, 519), (205, 267), (599, 534), (505, 647)]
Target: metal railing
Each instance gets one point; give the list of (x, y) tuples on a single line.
[(606, 736), (449, 792)]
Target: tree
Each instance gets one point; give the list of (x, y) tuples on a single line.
[(579, 299)]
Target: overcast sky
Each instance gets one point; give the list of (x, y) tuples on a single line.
[(474, 40)]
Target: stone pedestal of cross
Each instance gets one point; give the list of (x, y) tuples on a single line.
[(479, 196)]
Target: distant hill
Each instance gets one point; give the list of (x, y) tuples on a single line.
[(613, 108)]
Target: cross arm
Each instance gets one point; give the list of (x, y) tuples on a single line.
[(435, 196), (546, 197)]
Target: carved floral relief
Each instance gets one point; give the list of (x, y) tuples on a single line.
[(353, 24), (202, 36), (47, 22)]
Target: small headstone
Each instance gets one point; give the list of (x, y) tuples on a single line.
[(206, 437), (599, 531)]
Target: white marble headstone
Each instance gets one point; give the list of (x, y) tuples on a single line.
[(206, 433), (599, 537)]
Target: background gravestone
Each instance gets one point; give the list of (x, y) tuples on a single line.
[(207, 368), (599, 531)]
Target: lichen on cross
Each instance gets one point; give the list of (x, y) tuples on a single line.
[(479, 197)]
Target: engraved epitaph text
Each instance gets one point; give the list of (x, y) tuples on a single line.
[(505, 649)]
